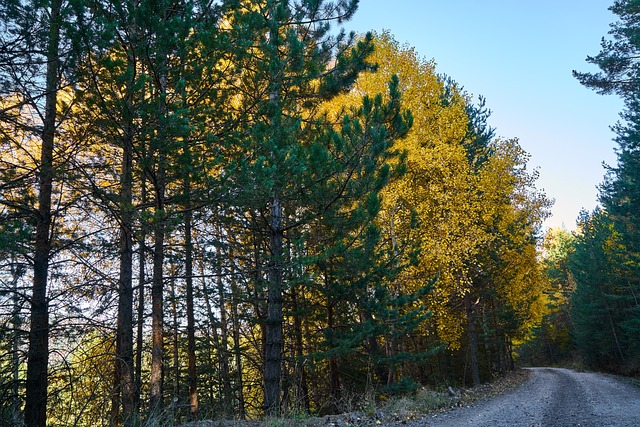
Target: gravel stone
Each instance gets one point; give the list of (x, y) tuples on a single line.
[(552, 397)]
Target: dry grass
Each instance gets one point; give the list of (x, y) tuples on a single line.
[(395, 410)]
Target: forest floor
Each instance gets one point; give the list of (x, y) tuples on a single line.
[(412, 410)]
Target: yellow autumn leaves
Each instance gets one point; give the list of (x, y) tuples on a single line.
[(477, 221)]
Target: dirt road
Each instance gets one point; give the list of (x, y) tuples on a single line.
[(553, 398)]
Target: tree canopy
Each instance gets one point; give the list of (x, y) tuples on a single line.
[(234, 209)]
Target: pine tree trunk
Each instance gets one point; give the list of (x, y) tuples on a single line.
[(123, 378), (473, 339), (390, 349), (156, 382), (215, 338), (140, 308), (334, 374), (157, 288), (176, 342), (273, 332), (236, 349), (15, 344), (227, 393), (381, 372), (486, 335), (509, 350), (301, 377), (38, 354), (191, 336), (273, 339)]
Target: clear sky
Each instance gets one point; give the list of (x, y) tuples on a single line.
[(519, 55)]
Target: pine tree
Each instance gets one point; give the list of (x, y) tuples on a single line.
[(596, 312), (302, 163), (36, 394), (620, 192), (112, 112), (618, 60), (31, 71)]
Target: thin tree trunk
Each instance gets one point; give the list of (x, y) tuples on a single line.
[(141, 294), (139, 333), (334, 375), (273, 333), (156, 382), (499, 338), (273, 338), (15, 356), (214, 331), (390, 352), (235, 320), (191, 335), (157, 288), (192, 376), (301, 376), (214, 326), (301, 387), (486, 335), (227, 393), (214, 336), (381, 372), (123, 378), (211, 386), (210, 382), (38, 354), (509, 350), (391, 342), (176, 342), (473, 339)]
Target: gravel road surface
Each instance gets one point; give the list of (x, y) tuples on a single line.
[(552, 398)]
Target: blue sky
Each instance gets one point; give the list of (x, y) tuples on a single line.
[(519, 55)]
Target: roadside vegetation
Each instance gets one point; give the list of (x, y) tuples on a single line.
[(385, 411), (238, 210)]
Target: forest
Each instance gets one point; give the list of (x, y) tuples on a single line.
[(238, 209)]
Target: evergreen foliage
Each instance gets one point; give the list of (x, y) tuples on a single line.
[(617, 238), (240, 211)]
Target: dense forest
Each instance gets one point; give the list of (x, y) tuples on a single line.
[(237, 209)]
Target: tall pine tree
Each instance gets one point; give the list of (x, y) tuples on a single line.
[(297, 163), (620, 193)]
